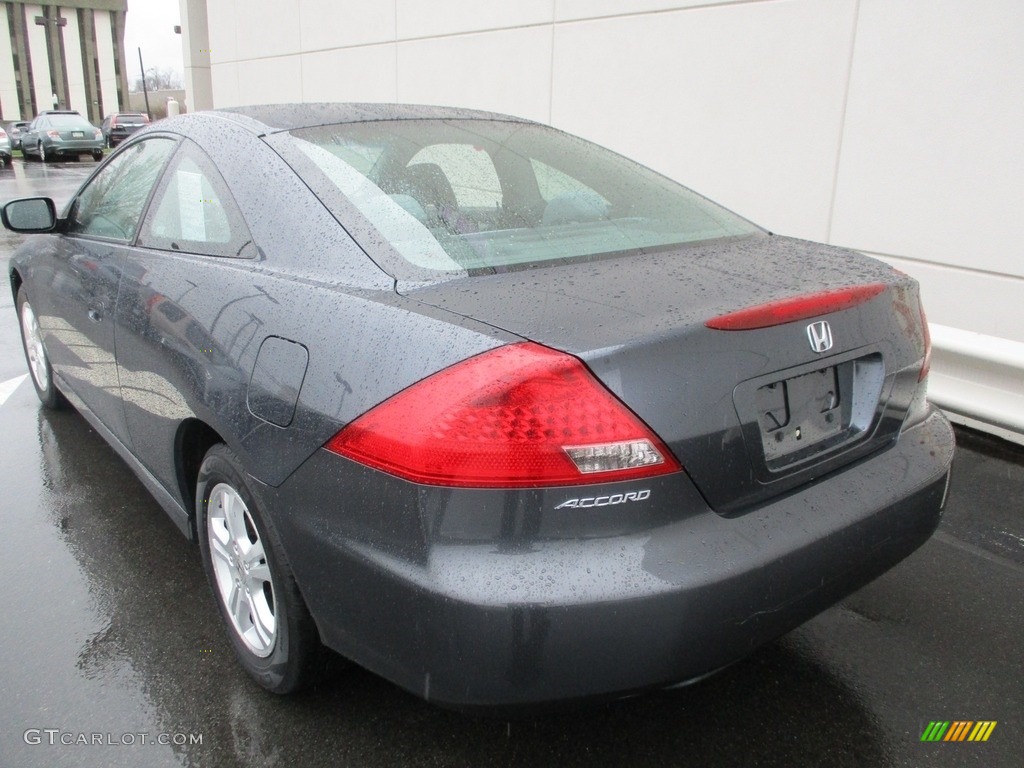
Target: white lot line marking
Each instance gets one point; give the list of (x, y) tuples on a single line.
[(7, 387)]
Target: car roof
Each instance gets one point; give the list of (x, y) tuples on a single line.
[(273, 118)]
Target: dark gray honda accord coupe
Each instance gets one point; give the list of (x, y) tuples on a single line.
[(494, 412)]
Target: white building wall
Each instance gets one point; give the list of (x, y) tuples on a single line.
[(73, 62), (105, 52), (195, 42), (895, 127), (9, 108)]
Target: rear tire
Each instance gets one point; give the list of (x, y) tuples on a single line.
[(97, 156), (267, 621), (39, 368)]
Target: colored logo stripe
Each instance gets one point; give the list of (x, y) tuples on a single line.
[(958, 730), (982, 730)]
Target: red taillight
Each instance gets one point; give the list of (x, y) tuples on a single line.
[(519, 416), (795, 308), (927, 364)]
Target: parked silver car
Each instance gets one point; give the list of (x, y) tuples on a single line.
[(14, 131), (60, 133), (5, 147)]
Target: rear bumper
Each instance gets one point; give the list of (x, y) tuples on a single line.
[(117, 135), (529, 619), (75, 147)]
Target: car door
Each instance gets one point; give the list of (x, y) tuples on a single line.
[(30, 139), (173, 298), (85, 272)]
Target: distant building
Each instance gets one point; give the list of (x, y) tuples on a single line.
[(62, 56)]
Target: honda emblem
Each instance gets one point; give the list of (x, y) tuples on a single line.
[(820, 336)]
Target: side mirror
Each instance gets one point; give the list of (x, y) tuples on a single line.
[(29, 215)]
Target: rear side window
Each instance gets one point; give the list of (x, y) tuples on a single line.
[(193, 211), (111, 204)]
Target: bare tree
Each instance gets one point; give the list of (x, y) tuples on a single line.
[(158, 79)]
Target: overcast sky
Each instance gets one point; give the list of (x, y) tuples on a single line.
[(150, 24)]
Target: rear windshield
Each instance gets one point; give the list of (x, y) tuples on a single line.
[(130, 120), (483, 196), (68, 121)]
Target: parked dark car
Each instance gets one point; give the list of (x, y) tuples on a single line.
[(61, 133), (14, 130), (492, 411), (119, 126)]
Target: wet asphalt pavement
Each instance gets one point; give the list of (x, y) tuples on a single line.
[(109, 633)]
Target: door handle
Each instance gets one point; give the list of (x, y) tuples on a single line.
[(94, 315)]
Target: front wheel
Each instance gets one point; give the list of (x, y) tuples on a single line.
[(38, 363), (269, 626)]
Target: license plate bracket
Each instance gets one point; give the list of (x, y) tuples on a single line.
[(800, 412), (801, 415)]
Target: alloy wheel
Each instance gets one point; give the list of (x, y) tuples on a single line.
[(34, 347), (241, 570)]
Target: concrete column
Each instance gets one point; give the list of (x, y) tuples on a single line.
[(105, 53), (195, 48), (55, 46), (87, 25), (19, 41), (40, 59), (118, 18), (77, 98), (9, 106)]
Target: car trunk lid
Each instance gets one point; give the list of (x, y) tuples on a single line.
[(749, 413)]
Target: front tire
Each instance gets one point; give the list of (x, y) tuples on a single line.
[(40, 370), (268, 623)]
